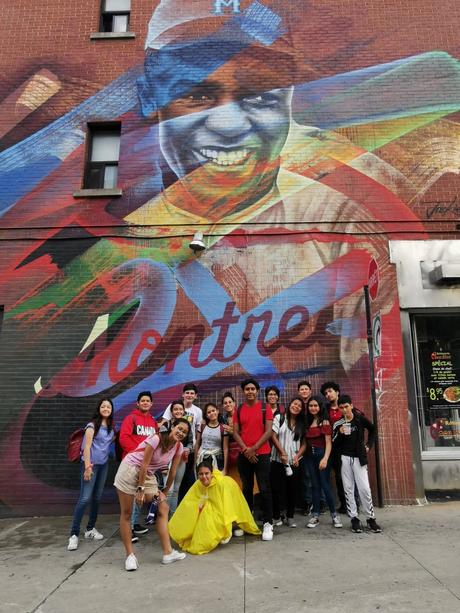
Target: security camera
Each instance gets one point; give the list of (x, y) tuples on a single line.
[(197, 245)]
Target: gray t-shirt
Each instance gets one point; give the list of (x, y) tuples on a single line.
[(211, 438)]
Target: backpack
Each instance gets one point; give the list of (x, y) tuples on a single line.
[(282, 417), (74, 445), (118, 447)]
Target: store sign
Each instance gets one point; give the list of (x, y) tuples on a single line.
[(442, 377), (373, 279)]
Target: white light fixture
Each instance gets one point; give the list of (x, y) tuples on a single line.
[(197, 243)]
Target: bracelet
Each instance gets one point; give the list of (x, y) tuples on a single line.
[(87, 467), (140, 488)]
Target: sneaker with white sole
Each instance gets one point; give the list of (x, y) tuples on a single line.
[(278, 521), (73, 543), (93, 534), (267, 533), (225, 541), (373, 525), (356, 525), (174, 556), (140, 530), (131, 562), (314, 521), (336, 522), (134, 538), (290, 523), (238, 532)]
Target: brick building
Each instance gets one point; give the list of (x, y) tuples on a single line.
[(314, 147)]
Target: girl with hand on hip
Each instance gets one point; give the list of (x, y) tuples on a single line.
[(135, 480)]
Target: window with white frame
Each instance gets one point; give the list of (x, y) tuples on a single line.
[(115, 15), (103, 152)]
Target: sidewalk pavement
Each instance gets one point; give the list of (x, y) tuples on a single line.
[(414, 565)]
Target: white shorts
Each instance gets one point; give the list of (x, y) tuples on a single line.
[(127, 480)]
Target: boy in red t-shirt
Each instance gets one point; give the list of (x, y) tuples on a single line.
[(135, 428), (252, 429)]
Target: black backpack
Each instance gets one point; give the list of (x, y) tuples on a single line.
[(238, 411)]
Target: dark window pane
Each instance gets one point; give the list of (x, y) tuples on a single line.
[(94, 176), (106, 22)]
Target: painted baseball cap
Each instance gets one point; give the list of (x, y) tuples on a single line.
[(250, 22)]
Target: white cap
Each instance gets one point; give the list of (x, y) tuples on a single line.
[(186, 21)]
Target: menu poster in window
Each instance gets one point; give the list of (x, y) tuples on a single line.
[(442, 377)]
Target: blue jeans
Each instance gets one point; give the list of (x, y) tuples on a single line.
[(90, 491), (319, 481), (174, 491)]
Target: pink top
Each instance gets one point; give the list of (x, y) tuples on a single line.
[(158, 460)]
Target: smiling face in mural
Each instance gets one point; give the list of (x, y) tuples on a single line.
[(222, 135)]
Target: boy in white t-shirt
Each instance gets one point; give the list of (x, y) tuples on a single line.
[(189, 395)]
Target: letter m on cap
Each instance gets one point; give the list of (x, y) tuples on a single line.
[(219, 6)]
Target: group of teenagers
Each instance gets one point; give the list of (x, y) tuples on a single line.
[(188, 467)]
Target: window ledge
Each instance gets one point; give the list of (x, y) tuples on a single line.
[(111, 35), (97, 193), (436, 455)]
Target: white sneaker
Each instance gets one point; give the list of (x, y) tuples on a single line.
[(336, 522), (238, 532), (225, 541), (93, 534), (314, 521), (131, 562), (174, 556), (73, 543), (267, 534)]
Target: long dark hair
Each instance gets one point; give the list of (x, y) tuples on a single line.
[(299, 428), (228, 395), (165, 431), (322, 413), (178, 401), (205, 411), (206, 463), (97, 417), (273, 388)]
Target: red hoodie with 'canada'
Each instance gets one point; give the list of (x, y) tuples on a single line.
[(135, 428)]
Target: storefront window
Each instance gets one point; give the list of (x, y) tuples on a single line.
[(437, 354)]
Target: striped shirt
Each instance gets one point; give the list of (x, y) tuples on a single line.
[(286, 439)]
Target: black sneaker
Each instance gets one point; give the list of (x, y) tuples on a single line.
[(356, 525), (134, 538), (138, 529), (373, 525)]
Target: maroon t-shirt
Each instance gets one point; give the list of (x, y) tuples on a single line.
[(316, 435)]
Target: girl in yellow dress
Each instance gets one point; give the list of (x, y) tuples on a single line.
[(205, 516)]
